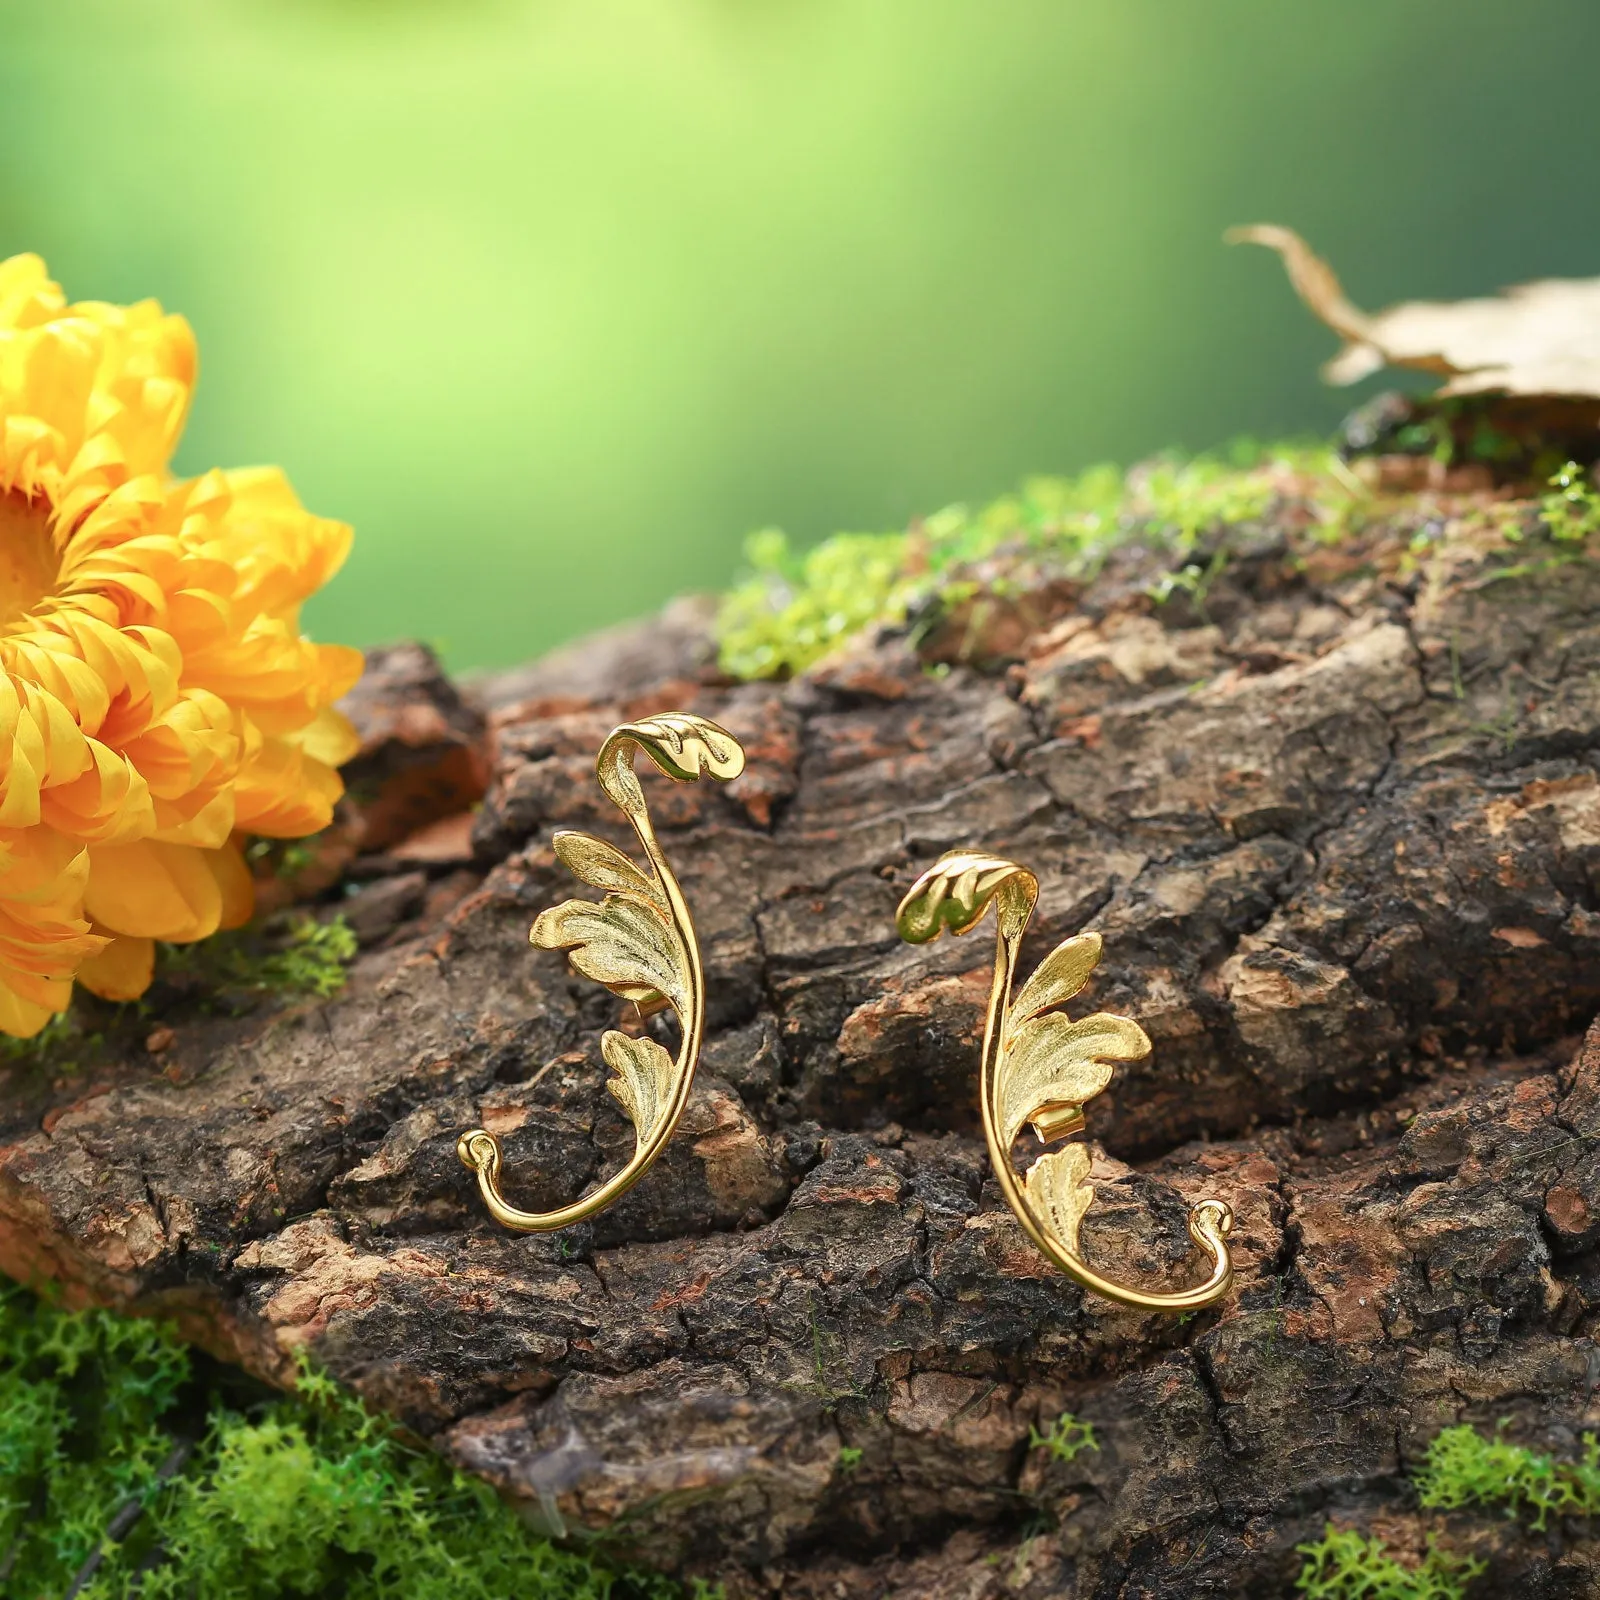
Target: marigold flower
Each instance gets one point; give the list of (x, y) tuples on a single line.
[(157, 698)]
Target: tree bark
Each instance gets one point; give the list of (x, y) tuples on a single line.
[(1340, 830)]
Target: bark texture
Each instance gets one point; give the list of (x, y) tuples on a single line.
[(1341, 832)]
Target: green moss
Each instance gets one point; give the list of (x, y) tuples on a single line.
[(1179, 500), (1570, 512), (1345, 1566), (231, 970), (1067, 1437), (62, 1046), (832, 1379), (111, 1445), (312, 960), (794, 609), (1520, 444), (1463, 1468), (284, 858)]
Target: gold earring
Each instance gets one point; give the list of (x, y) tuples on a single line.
[(639, 942), (1039, 1068)]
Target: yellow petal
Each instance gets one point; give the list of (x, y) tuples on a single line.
[(331, 739), (236, 883), (27, 296), (18, 1017), (286, 794), (341, 669), (122, 971), (156, 891)]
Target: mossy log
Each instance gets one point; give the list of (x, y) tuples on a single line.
[(1340, 829)]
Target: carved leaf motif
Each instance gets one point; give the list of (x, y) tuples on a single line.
[(643, 1082), (628, 945), (605, 867), (1052, 1065), (952, 894), (1059, 1193), (1058, 977), (682, 745)]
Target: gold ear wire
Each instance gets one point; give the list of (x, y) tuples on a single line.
[(639, 941), (1040, 1068)]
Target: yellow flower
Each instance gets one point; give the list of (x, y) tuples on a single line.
[(157, 698)]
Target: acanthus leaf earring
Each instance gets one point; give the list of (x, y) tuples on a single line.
[(640, 943), (1040, 1068)]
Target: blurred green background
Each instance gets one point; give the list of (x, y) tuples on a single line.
[(557, 299)]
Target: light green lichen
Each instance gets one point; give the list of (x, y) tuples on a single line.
[(1067, 1437), (1463, 1468), (1343, 1565), (792, 610)]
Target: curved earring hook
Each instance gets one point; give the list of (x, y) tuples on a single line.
[(1039, 1068), (639, 942)]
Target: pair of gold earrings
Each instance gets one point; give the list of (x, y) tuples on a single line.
[(1037, 1067)]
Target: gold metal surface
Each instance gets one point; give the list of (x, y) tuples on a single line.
[(639, 942), (1040, 1068)]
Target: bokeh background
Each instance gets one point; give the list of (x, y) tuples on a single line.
[(557, 299)]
